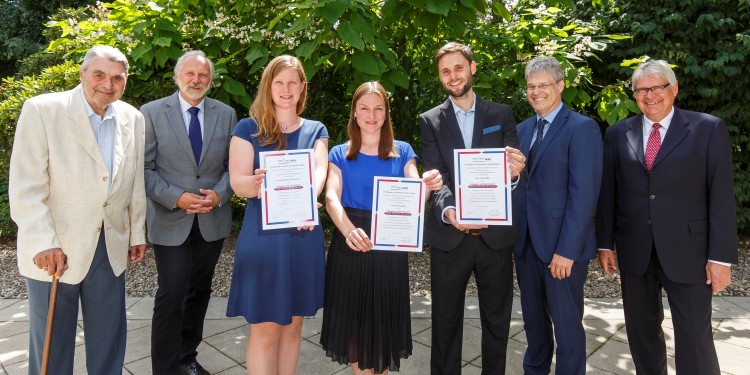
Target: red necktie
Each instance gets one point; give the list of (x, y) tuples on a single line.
[(654, 142)]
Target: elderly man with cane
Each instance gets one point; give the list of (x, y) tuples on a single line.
[(77, 195)]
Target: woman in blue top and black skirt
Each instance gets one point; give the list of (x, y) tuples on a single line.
[(366, 315)]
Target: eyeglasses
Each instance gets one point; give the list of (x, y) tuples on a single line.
[(643, 91), (543, 86)]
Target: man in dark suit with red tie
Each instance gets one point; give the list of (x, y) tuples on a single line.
[(667, 209)]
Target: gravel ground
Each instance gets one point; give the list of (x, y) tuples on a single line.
[(141, 277)]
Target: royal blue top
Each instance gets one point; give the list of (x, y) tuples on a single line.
[(357, 174)]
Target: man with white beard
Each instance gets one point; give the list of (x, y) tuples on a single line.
[(188, 215)]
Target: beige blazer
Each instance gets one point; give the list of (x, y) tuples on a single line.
[(59, 195)]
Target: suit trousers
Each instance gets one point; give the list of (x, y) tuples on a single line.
[(690, 305), (102, 300), (185, 275), (548, 302), (493, 272)]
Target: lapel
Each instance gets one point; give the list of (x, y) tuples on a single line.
[(174, 116), (79, 121), (449, 115), (635, 138), (210, 119), (525, 133), (123, 137), (552, 130), (480, 116), (676, 132)]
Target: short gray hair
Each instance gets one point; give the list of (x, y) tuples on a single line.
[(544, 64), (655, 68), (107, 52), (195, 53)]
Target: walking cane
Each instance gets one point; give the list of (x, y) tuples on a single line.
[(50, 323)]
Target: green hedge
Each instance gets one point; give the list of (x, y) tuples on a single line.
[(13, 93)]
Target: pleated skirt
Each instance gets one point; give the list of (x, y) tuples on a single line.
[(366, 313)]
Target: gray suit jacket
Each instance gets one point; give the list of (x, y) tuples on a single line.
[(170, 170)]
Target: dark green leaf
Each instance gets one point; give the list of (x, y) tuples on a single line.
[(256, 53), (332, 11), (233, 87), (440, 7), (365, 62), (363, 25), (399, 78), (350, 35)]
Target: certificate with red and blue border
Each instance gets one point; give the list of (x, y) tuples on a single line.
[(288, 198), (482, 187), (397, 214)]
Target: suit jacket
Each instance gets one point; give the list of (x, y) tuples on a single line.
[(684, 207), (171, 170), (59, 194), (494, 127), (556, 197)]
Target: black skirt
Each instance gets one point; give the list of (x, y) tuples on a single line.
[(366, 313)]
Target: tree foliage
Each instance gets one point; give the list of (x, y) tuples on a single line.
[(22, 25), (343, 43)]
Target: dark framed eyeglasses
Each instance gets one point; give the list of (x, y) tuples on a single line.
[(643, 91)]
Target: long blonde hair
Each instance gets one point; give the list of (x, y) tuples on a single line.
[(262, 110), (386, 147)]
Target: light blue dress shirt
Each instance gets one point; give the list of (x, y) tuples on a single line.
[(104, 133), (550, 117), (184, 106), (465, 121)]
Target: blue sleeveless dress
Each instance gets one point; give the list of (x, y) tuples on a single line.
[(278, 273)]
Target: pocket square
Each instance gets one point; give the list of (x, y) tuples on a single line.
[(492, 129)]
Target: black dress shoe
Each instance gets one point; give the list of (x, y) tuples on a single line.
[(193, 368)]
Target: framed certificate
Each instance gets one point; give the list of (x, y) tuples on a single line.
[(483, 190), (288, 192), (397, 214)]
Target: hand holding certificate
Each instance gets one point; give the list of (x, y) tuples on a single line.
[(397, 214), (288, 192), (483, 189)]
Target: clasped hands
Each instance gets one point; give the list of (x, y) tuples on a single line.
[(198, 204)]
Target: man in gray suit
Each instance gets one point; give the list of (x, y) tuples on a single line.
[(188, 215)]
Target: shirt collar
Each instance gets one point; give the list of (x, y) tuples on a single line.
[(458, 109), (109, 112), (184, 105), (550, 117), (665, 122)]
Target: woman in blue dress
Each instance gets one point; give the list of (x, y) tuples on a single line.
[(278, 275), (366, 318)]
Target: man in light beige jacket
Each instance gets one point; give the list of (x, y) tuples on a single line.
[(77, 195)]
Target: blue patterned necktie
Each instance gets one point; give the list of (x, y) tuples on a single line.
[(535, 147), (196, 139)]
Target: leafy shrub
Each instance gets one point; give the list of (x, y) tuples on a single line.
[(12, 95)]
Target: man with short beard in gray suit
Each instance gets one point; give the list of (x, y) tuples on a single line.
[(188, 216)]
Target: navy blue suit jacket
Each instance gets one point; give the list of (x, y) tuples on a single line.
[(556, 197), (494, 127), (684, 208)]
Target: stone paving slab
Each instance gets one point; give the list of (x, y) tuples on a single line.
[(225, 339)]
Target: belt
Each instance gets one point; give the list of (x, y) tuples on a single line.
[(473, 232)]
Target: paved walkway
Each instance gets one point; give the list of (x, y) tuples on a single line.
[(223, 349)]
